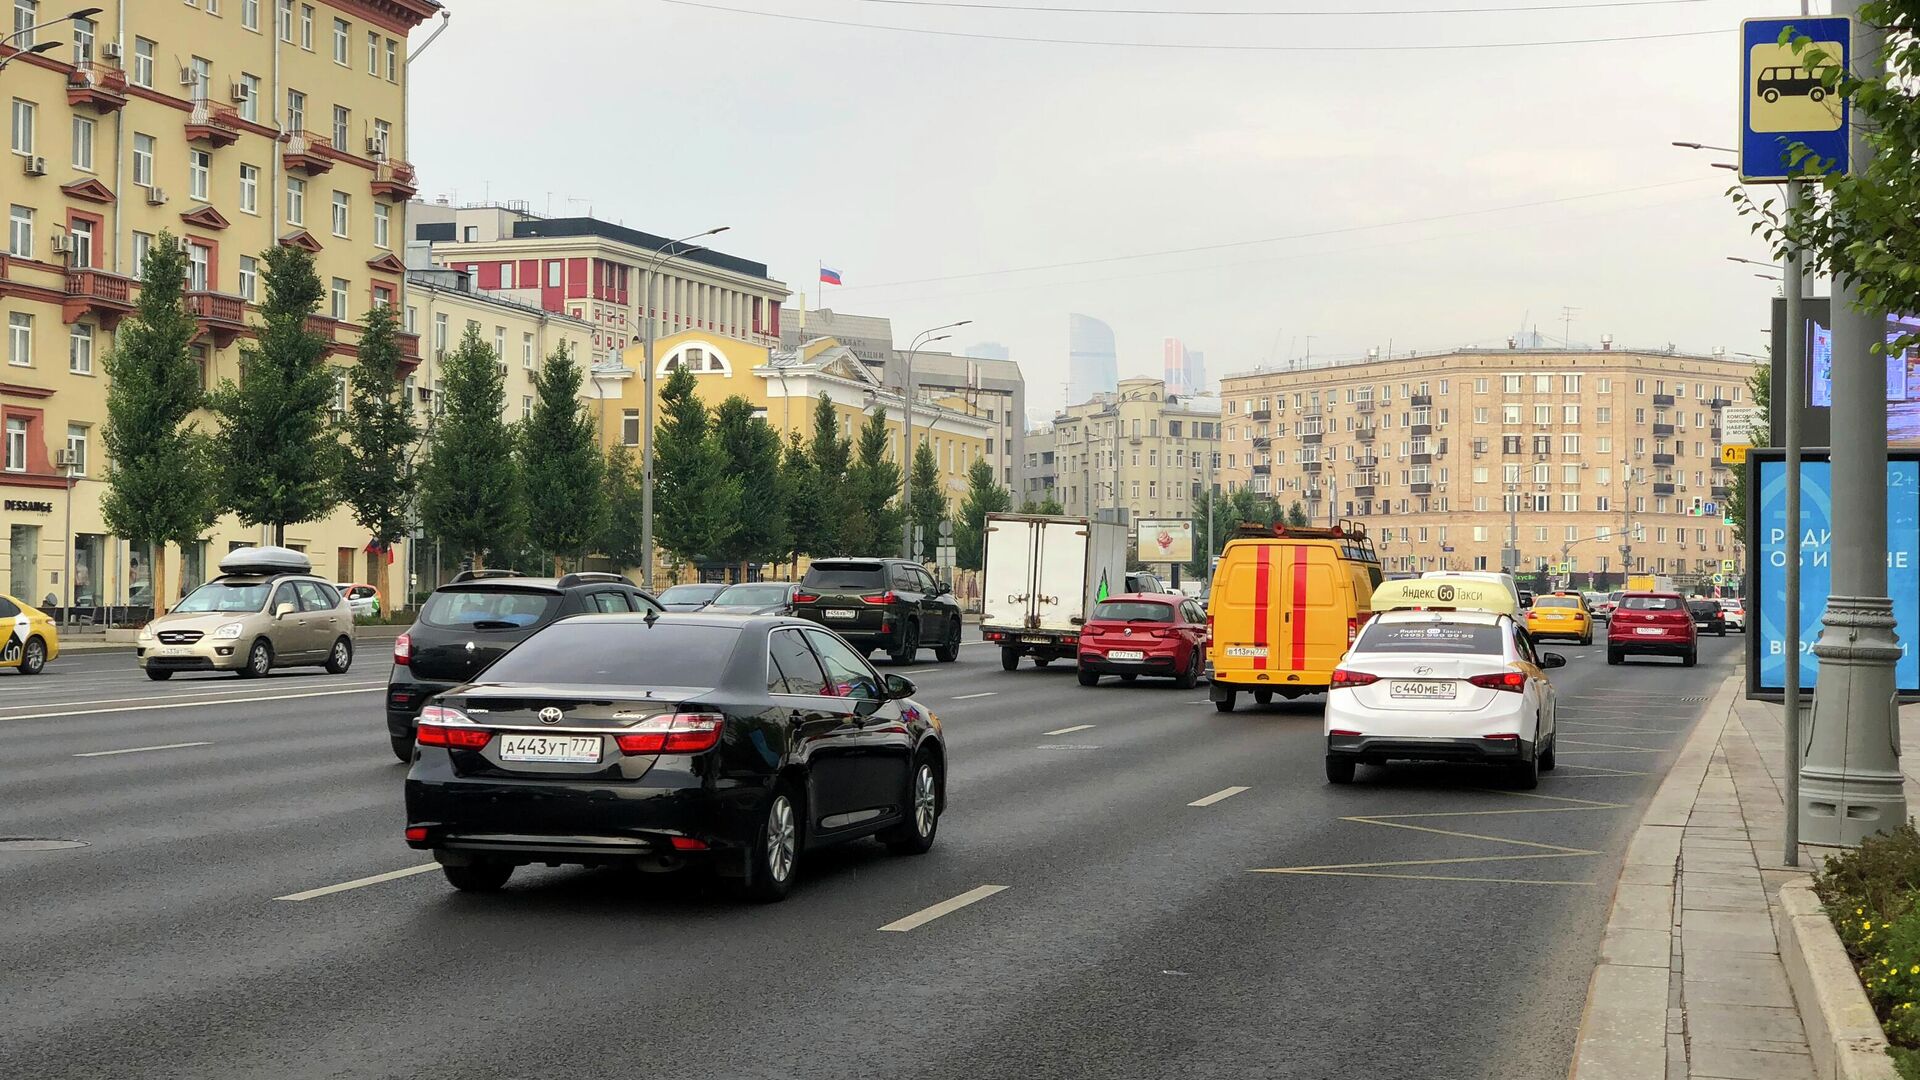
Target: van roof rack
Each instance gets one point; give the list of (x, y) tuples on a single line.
[(482, 575), (585, 577), (1352, 536)]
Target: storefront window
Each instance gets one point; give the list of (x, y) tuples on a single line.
[(193, 566), (23, 560), (89, 570)]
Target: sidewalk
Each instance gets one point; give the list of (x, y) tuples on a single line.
[(1690, 981)]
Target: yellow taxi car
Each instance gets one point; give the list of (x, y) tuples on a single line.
[(32, 639), (1561, 615)]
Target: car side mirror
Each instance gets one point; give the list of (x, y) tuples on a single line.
[(1552, 660), (281, 611), (942, 589), (898, 687)]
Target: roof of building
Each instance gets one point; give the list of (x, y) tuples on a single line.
[(620, 234), (453, 282), (1667, 352)]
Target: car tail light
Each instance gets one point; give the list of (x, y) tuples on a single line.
[(1502, 735), (403, 650), (1515, 681), (688, 843), (442, 726), (1209, 629), (1344, 731), (680, 733), (1343, 677), (804, 598), (416, 832), (878, 598)]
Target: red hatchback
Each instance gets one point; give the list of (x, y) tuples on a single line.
[(1657, 624), (1137, 634)]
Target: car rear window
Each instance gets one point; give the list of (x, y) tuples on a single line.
[(691, 593), (1556, 601), (1704, 606), (630, 653), (845, 576), (1650, 603), (1431, 637), (1133, 611), (756, 595), (487, 609)]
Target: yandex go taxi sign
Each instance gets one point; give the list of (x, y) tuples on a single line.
[(1456, 593)]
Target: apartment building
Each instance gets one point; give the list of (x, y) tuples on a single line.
[(1587, 460), (236, 127), (1136, 452), (442, 304), (992, 390)]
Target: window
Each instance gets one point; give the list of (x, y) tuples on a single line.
[(630, 427), (83, 143), (199, 164), (342, 126), (142, 62), (26, 15), (847, 674), (250, 188), (1570, 444), (283, 20), (306, 27), (80, 349), (16, 444), (1510, 383), (506, 277), (199, 263), (250, 14), (20, 339), (1543, 414), (382, 136), (342, 212), (249, 97), (393, 60), (791, 666), (526, 351), (142, 159), (296, 110), (83, 30), (500, 342), (553, 273), (249, 277), (342, 31), (296, 201), (1510, 474), (142, 243), (80, 231), (382, 225), (22, 126), (20, 231), (202, 69), (1509, 414), (77, 448), (440, 332), (373, 53), (1570, 474), (382, 296), (338, 297), (1543, 384), (526, 408)]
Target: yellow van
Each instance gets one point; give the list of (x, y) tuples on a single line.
[(1285, 603)]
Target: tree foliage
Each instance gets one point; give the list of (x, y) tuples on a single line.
[(874, 483), (696, 502), (751, 449), (929, 501), (829, 456), (619, 538), (1048, 505), (1760, 386), (560, 463), (160, 483), (469, 488), (377, 435), (984, 496), (806, 521), (273, 422), (1297, 514)]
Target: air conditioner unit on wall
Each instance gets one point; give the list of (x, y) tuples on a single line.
[(64, 459), (61, 244), (156, 196), (36, 166), (112, 50), (188, 77)]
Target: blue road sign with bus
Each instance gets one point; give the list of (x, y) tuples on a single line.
[(1782, 101), (1767, 591)]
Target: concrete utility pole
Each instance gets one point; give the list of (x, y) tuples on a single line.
[(920, 341), (662, 255), (1850, 781)]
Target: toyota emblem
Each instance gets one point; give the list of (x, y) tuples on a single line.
[(550, 715)]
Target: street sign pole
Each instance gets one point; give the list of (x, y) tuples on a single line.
[(1793, 392), (1850, 781)]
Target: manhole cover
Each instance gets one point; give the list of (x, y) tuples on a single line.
[(34, 843)]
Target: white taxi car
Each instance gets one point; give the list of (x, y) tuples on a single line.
[(1442, 685)]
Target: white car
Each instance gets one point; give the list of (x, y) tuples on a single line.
[(1735, 613), (1442, 686), (364, 599), (1513, 588)]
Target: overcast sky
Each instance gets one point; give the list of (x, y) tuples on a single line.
[(933, 171)]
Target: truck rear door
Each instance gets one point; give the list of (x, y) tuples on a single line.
[(1060, 577), (1007, 579)]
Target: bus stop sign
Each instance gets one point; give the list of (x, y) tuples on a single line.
[(1782, 100)]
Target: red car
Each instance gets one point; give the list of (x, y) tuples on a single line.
[(1136, 634), (1657, 624)]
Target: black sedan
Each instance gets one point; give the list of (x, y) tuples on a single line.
[(755, 598), (692, 596), (662, 742)]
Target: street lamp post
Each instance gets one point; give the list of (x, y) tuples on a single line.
[(920, 341), (44, 46), (661, 257)]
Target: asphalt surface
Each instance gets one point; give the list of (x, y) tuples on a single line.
[(1133, 936)]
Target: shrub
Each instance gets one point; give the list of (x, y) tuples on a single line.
[(1871, 893)]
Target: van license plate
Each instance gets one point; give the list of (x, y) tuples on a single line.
[(834, 613), (1258, 652), (582, 750), (1423, 691), (1037, 640)]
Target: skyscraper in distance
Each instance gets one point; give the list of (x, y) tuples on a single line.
[(1093, 365), (1173, 365), (989, 350), (1196, 372)]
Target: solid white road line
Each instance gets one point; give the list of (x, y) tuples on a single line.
[(1068, 730), (944, 907), (144, 749), (1223, 793), (150, 697), (191, 704), (360, 883), (970, 697)]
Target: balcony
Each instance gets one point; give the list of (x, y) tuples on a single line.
[(1312, 468), (1421, 459), (1721, 491), (1261, 442), (1311, 438), (1422, 429), (306, 152), (1663, 459), (222, 316), (1714, 433), (1422, 401), (1364, 434), (1663, 401), (1262, 470), (105, 297), (1662, 431), (1422, 489), (213, 124), (1364, 405), (1261, 414), (1662, 489), (394, 181), (1363, 491), (97, 86), (325, 326), (1366, 463), (410, 351), (1720, 402)]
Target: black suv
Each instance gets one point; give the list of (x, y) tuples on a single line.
[(474, 619), (1708, 617), (887, 605)]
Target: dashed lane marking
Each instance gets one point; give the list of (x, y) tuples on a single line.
[(1069, 730), (944, 907), (143, 749), (192, 704), (149, 697), (1223, 793), (970, 697), (360, 883)]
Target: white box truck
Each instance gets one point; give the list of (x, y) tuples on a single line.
[(1042, 577)]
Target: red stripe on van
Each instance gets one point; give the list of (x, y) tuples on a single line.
[(1299, 608), (1261, 592)]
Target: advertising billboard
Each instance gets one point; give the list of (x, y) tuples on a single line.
[(1164, 540), (1772, 542), (1816, 417)]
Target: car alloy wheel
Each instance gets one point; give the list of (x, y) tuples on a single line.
[(914, 836), (341, 658), (926, 801), (259, 660), (781, 837), (35, 657)]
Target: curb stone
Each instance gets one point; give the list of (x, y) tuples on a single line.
[(1842, 1030)]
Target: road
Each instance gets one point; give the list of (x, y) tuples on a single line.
[(1135, 934)]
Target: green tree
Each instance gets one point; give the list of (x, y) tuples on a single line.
[(1225, 521), (1297, 514), (929, 501), (806, 521), (1048, 505), (1760, 386), (874, 480), (376, 477), (469, 486), (752, 451), (831, 455), (274, 435), (619, 538), (161, 486), (696, 501), (984, 496), (560, 464)]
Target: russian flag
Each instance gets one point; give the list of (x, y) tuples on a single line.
[(829, 277)]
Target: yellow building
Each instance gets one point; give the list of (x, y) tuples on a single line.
[(235, 126), (441, 304), (785, 387)]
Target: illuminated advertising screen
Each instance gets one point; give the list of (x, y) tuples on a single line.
[(1902, 374)]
